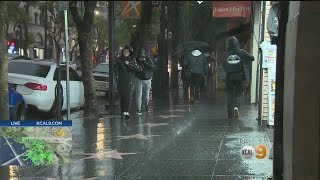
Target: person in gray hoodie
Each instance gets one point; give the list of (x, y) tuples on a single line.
[(234, 66), (197, 68)]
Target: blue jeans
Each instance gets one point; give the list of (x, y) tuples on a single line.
[(142, 89)]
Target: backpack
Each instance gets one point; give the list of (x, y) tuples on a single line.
[(235, 67)]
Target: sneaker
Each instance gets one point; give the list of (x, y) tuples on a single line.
[(139, 113), (147, 108), (236, 113)]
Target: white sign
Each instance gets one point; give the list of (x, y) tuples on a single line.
[(269, 54), (199, 2)]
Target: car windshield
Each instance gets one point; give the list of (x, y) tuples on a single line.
[(29, 69), (101, 68)]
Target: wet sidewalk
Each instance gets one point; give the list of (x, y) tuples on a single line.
[(174, 141)]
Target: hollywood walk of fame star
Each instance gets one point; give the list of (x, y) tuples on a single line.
[(136, 136), (154, 124), (177, 110), (131, 5), (168, 116), (113, 154)]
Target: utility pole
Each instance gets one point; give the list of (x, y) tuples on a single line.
[(278, 117), (45, 31), (163, 48), (111, 108)]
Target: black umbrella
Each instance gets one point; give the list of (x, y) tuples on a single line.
[(189, 45)]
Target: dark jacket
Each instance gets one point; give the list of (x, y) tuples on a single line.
[(147, 67), (197, 63), (126, 72), (233, 48)]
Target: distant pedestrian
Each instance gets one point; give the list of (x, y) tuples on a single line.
[(126, 66), (143, 81), (234, 66), (196, 68)]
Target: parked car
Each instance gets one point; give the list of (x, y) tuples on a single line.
[(17, 105), (101, 78), (37, 82), (71, 64), (17, 57)]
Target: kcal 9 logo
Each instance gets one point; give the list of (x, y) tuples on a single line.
[(260, 152)]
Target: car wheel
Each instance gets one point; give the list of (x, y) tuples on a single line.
[(54, 108), (18, 112)]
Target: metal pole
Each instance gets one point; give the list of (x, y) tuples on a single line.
[(67, 60), (111, 52), (45, 30), (20, 40)]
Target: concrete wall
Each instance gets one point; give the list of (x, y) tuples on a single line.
[(302, 92)]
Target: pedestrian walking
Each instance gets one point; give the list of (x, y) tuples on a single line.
[(196, 67), (234, 66), (127, 67), (143, 81)]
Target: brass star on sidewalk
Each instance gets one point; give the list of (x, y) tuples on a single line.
[(177, 110), (168, 116), (156, 124), (113, 154), (136, 136)]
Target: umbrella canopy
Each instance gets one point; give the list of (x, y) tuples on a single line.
[(189, 45)]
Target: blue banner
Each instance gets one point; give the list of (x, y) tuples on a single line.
[(36, 123)]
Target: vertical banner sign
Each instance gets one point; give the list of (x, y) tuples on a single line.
[(130, 9), (227, 9), (269, 53)]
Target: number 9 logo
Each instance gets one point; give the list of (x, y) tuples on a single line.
[(261, 151)]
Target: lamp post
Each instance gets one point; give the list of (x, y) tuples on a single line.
[(45, 30)]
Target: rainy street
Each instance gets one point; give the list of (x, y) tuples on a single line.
[(174, 141)]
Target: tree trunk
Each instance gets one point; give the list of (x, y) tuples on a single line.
[(86, 68), (84, 28), (4, 99), (26, 39)]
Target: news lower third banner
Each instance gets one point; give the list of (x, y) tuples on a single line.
[(35, 123), (35, 143)]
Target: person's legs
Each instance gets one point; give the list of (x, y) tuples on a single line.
[(198, 84), (230, 95), (239, 87), (138, 94), (129, 98), (192, 86), (146, 91)]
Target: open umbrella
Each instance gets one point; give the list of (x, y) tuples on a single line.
[(189, 45)]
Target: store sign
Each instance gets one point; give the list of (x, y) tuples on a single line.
[(130, 9), (227, 9)]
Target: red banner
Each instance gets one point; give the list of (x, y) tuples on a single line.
[(226, 9)]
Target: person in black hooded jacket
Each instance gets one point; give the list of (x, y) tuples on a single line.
[(127, 67), (143, 81), (234, 66)]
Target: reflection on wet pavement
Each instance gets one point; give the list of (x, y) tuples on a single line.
[(174, 141)]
